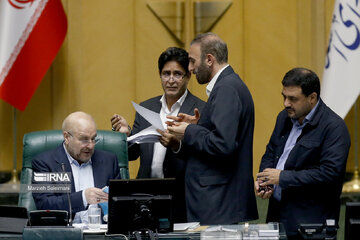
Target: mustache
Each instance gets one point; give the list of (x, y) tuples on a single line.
[(289, 109), (86, 149)]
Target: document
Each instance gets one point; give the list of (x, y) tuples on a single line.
[(185, 226), (148, 135), (150, 116)]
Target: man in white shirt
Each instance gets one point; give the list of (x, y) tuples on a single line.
[(157, 161)]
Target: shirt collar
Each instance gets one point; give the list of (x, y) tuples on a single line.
[(72, 160), (180, 101), (212, 82)]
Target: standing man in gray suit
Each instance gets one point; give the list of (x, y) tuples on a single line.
[(157, 161), (219, 147)]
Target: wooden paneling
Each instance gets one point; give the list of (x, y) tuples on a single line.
[(270, 50), (110, 54)]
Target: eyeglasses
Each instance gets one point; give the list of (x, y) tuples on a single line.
[(86, 141), (177, 75)]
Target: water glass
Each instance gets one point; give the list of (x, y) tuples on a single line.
[(94, 214)]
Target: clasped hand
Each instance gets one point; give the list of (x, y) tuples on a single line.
[(176, 129), (264, 182)]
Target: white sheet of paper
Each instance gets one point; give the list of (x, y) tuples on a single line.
[(185, 226), (148, 135), (150, 116)]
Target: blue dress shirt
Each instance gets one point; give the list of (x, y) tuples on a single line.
[(290, 143), (83, 179)]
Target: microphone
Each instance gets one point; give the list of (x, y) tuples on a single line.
[(68, 197)]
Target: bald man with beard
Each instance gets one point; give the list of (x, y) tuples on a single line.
[(90, 169)]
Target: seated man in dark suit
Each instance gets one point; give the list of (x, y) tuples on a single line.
[(157, 161), (90, 169)]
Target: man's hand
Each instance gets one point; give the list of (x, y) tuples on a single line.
[(264, 182), (119, 124), (95, 195), (178, 129), (263, 192), (268, 176), (169, 140), (183, 117)]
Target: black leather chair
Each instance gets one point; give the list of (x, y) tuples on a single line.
[(37, 142)]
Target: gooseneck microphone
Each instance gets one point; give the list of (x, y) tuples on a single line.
[(68, 197)]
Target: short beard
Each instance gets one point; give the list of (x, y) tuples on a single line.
[(203, 73)]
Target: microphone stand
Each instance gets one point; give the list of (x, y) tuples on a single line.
[(68, 197)]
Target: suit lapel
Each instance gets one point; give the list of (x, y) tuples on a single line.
[(61, 159), (96, 168), (188, 104), (156, 107)]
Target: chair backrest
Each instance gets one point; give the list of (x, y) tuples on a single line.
[(38, 142)]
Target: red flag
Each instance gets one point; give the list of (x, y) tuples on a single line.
[(31, 33)]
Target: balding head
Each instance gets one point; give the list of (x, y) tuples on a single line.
[(77, 120), (79, 130), (210, 43), (208, 54)]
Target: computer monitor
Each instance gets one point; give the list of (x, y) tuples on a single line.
[(352, 221), (13, 219), (140, 204)]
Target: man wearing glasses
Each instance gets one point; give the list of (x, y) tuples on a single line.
[(157, 161), (91, 169)]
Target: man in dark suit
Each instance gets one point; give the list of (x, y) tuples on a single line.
[(157, 161), (305, 158), (218, 149), (90, 169)]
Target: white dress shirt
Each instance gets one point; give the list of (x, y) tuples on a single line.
[(160, 150), (212, 82)]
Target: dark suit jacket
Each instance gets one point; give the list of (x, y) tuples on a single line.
[(173, 166), (313, 174), (219, 179), (104, 165)]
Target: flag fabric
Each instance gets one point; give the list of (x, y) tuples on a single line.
[(31, 33), (341, 80)]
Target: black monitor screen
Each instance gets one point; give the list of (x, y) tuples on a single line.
[(140, 204), (352, 221)]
